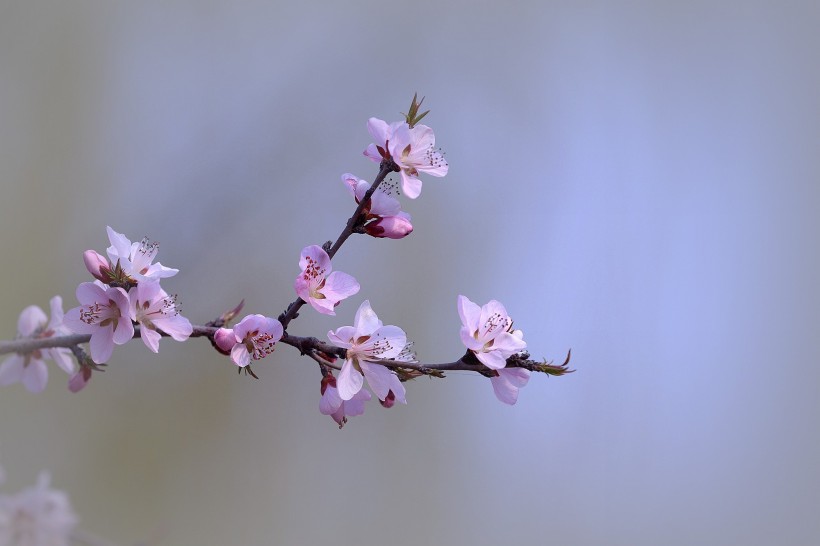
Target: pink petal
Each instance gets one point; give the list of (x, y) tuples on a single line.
[(72, 321), (57, 314), (379, 130), (240, 355), (88, 293), (150, 338), (120, 245), (318, 255), (469, 341), (492, 359), (342, 337), (355, 406), (35, 375), (159, 271), (330, 401), (382, 381), (350, 381), (11, 370), (366, 321), (31, 318), (410, 185), (386, 342), (101, 345), (469, 313), (325, 306), (508, 382), (62, 357), (176, 326), (339, 286), (509, 344), (124, 331)]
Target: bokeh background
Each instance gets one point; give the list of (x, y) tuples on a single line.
[(637, 181)]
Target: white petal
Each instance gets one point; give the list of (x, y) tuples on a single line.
[(11, 370), (350, 381)]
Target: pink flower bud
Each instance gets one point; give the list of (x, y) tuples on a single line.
[(389, 400), (80, 379), (392, 227), (225, 340), (97, 265)]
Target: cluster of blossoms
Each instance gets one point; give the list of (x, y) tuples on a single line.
[(36, 516), (126, 294)]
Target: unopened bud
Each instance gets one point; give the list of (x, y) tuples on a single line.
[(392, 227), (80, 379), (97, 265), (225, 340), (389, 400)]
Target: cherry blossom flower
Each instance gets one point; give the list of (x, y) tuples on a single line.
[(155, 310), (30, 369), (36, 516), (487, 332), (367, 342), (253, 338), (332, 404), (136, 259), (507, 382), (104, 313), (414, 151), (411, 148), (319, 287), (383, 214)]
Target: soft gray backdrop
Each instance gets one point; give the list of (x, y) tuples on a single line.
[(634, 180)]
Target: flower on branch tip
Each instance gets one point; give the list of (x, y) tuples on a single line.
[(104, 312), (487, 332), (367, 342), (136, 259), (412, 149), (383, 214), (253, 338), (332, 404), (30, 369), (155, 311), (320, 287), (36, 516)]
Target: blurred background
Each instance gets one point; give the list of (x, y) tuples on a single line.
[(637, 181)]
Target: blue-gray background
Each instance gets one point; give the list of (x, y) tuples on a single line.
[(635, 180)]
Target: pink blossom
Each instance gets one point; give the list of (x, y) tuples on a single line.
[(36, 516), (104, 313), (411, 148), (383, 214), (79, 380), (136, 259), (414, 151), (97, 265), (367, 342), (30, 369), (507, 382), (487, 332), (332, 404), (381, 133), (156, 312), (253, 338), (319, 287)]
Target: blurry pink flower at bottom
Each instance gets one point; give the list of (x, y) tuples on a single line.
[(104, 313), (253, 338), (36, 516), (30, 369)]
